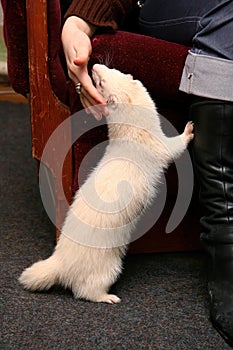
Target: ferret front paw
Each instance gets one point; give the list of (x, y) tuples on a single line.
[(188, 134)]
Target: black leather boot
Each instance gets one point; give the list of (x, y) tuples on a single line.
[(213, 164)]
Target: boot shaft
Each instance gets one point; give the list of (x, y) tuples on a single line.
[(213, 162)]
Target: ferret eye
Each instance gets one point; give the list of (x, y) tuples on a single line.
[(101, 83)]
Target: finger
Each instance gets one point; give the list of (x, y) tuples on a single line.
[(95, 99), (91, 109), (83, 55), (94, 112), (87, 85), (81, 60), (92, 102), (80, 76)]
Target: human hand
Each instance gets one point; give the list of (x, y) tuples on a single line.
[(77, 47)]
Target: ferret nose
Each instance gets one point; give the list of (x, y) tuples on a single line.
[(96, 66)]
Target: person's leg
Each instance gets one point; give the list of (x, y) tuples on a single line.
[(215, 32), (208, 74), (213, 164), (208, 70), (207, 27), (173, 21)]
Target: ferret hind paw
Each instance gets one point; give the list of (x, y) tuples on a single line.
[(109, 298)]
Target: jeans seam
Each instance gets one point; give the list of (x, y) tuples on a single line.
[(170, 21)]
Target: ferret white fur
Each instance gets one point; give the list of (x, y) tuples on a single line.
[(99, 223)]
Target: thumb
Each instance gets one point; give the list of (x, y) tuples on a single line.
[(81, 60), (82, 57)]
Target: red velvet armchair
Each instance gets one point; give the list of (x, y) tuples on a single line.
[(36, 68)]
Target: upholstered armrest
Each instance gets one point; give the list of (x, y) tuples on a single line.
[(157, 63)]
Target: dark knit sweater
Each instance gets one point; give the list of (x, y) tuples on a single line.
[(101, 13)]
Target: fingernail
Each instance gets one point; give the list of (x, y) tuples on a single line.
[(98, 116)]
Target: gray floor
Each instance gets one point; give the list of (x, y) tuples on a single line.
[(164, 301)]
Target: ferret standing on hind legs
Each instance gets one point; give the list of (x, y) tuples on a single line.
[(102, 217)]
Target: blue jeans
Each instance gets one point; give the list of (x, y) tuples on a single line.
[(206, 26)]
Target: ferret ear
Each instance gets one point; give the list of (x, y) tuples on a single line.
[(112, 101), (128, 98), (136, 82), (129, 76)]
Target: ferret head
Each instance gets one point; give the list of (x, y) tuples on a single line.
[(118, 88)]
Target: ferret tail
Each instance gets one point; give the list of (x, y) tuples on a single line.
[(41, 275)]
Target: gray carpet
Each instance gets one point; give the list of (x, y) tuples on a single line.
[(164, 301)]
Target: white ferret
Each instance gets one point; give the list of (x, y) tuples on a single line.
[(101, 220)]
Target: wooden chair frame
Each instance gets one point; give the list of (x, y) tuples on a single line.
[(47, 111)]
